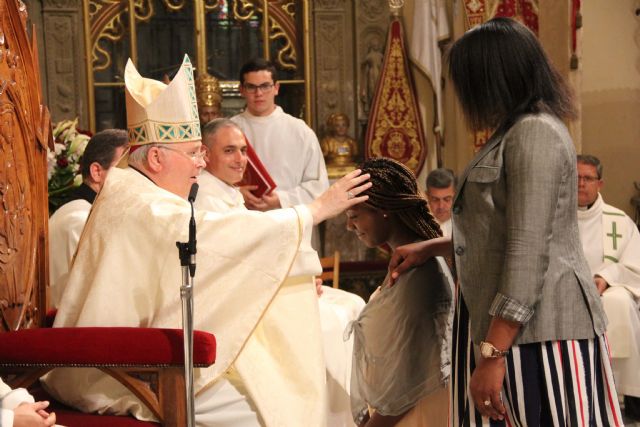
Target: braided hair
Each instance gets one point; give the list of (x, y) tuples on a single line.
[(395, 190)]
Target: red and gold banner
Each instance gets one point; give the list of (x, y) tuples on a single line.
[(395, 129), (479, 11)]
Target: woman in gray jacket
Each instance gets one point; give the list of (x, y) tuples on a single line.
[(528, 346)]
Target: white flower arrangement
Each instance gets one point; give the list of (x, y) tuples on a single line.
[(63, 163)]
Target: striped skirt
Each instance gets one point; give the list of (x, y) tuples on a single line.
[(553, 383)]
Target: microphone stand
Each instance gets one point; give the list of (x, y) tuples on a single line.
[(187, 252)]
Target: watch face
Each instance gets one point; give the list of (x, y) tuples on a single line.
[(486, 350)]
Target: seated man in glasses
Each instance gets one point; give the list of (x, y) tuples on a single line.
[(611, 245), (248, 291), (286, 145)]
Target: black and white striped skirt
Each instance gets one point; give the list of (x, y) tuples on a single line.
[(553, 383)]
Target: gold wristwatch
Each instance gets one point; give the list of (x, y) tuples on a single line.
[(489, 351)]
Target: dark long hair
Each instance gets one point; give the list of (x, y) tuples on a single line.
[(500, 72)]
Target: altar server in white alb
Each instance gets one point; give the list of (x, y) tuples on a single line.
[(269, 369), (102, 152), (286, 145), (611, 245), (226, 159)]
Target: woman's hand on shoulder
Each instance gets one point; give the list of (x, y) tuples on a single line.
[(406, 256)]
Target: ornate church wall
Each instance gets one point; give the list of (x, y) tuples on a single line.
[(611, 94), (61, 55), (606, 83)]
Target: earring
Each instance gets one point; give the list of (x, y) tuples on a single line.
[(385, 216)]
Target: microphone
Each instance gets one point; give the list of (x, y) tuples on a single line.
[(192, 230), (193, 192)]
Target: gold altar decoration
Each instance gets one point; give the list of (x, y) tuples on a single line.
[(209, 97), (338, 148), (395, 129), (479, 11), (25, 126)]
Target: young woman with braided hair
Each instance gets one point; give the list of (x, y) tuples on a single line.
[(401, 338)]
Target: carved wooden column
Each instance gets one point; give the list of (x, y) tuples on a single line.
[(64, 60), (334, 73), (24, 135), (371, 25)]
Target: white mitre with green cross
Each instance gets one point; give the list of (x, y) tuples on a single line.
[(160, 113)]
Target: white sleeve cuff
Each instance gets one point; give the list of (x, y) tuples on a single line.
[(6, 418), (285, 201), (16, 397)]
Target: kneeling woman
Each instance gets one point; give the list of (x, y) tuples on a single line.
[(401, 352)]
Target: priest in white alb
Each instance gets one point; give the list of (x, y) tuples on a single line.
[(102, 152), (611, 244), (126, 272), (225, 150)]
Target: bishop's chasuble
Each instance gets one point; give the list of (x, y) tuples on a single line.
[(127, 273)]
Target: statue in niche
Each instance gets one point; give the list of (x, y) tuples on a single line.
[(371, 67), (338, 148)]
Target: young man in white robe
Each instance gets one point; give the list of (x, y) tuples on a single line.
[(225, 150), (287, 147), (611, 244), (102, 152), (126, 272)]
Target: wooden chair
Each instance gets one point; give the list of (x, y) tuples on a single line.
[(331, 269), (149, 362)]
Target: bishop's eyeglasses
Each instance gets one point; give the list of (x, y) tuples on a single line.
[(195, 155)]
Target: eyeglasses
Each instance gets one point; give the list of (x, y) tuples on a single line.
[(193, 155), (588, 179), (264, 87)]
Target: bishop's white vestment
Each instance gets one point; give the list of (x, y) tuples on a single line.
[(337, 309), (611, 244), (216, 195), (127, 273)]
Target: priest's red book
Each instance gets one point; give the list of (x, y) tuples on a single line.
[(256, 174)]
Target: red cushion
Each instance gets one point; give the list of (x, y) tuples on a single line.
[(103, 346)]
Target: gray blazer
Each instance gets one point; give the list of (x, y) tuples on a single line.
[(515, 236)]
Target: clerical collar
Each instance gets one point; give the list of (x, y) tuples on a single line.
[(142, 173), (83, 192)]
